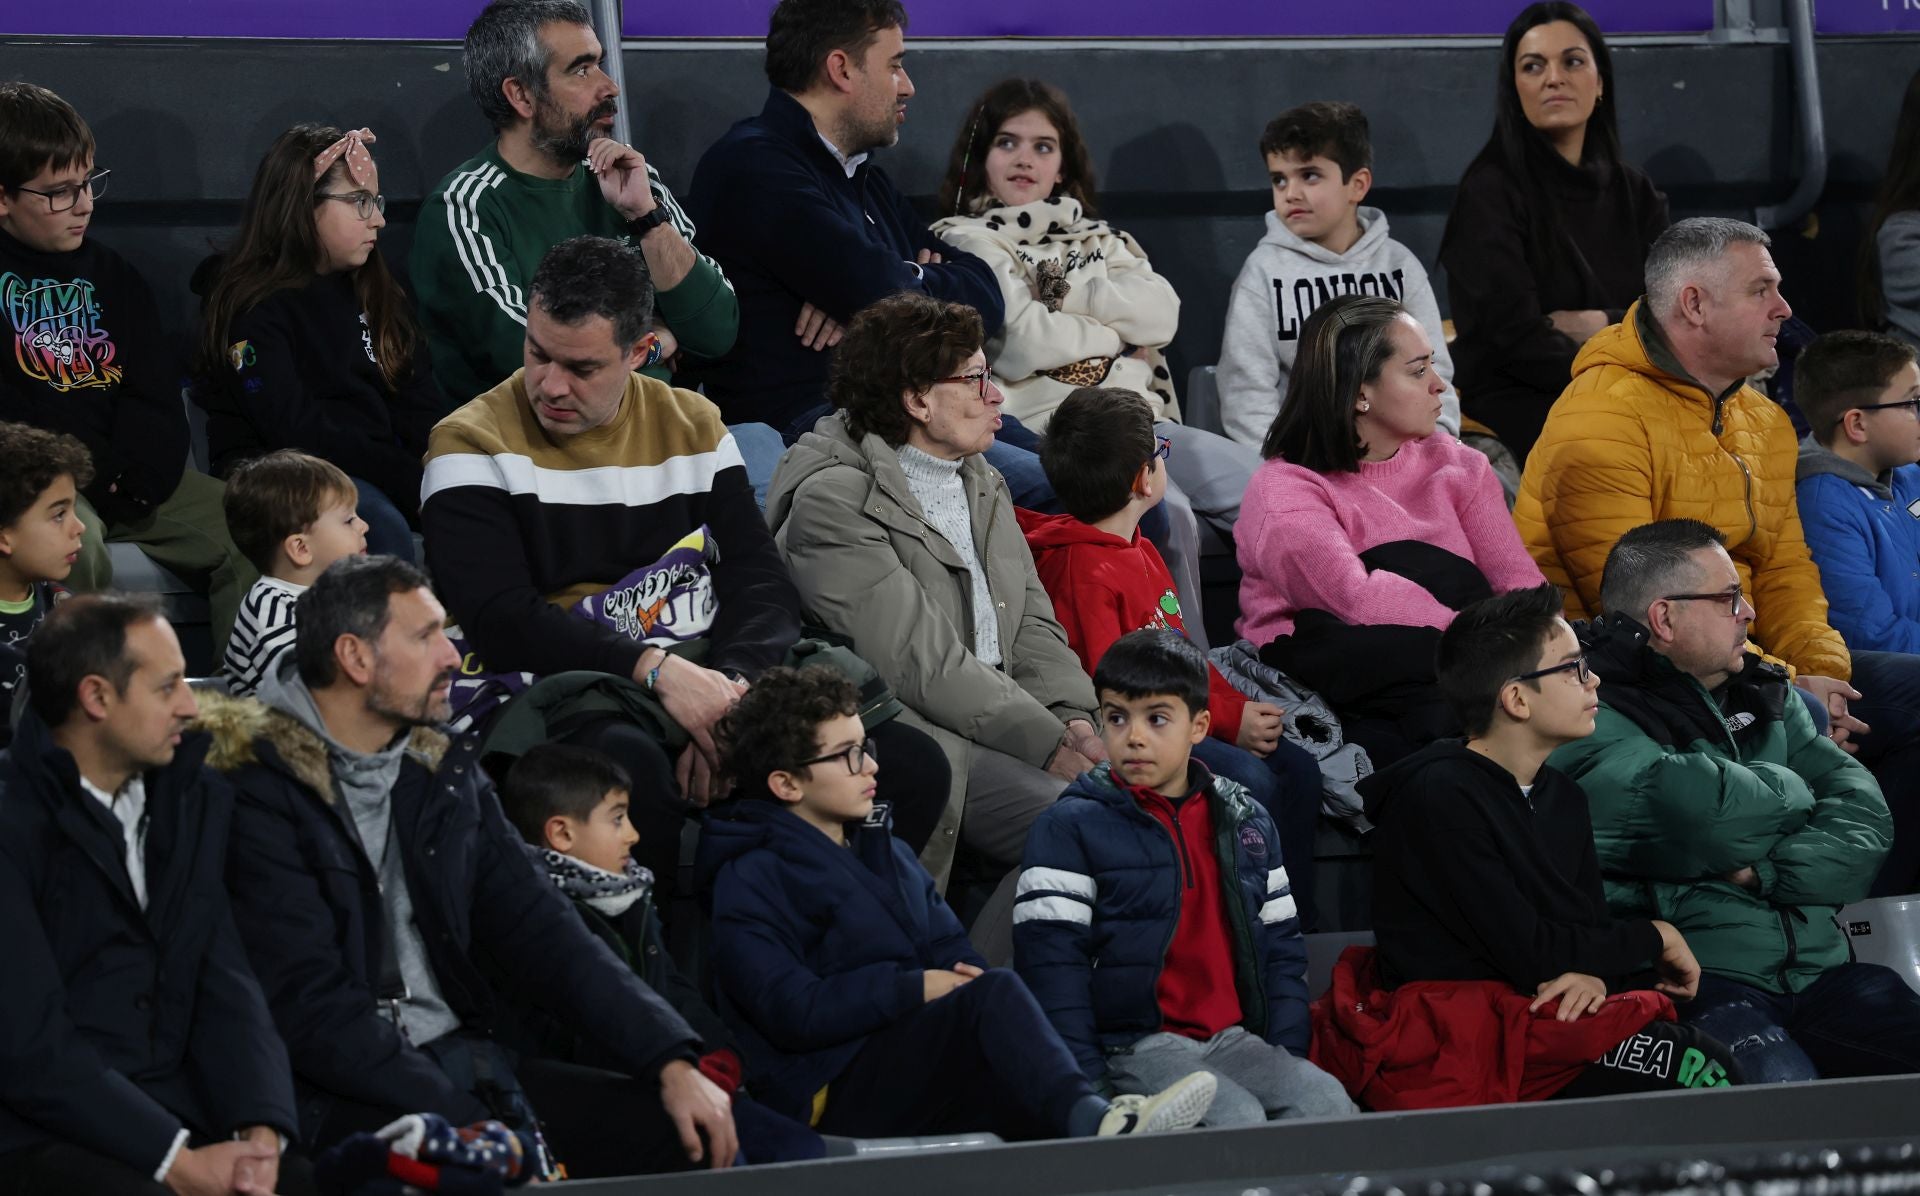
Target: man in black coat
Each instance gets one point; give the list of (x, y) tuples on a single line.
[(136, 1048), (371, 867)]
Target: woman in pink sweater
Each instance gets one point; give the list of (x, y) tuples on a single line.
[(1367, 528)]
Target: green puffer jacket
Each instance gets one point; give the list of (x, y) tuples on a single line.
[(1685, 790)]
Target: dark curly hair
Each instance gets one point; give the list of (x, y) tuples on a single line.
[(584, 277), (902, 345), (32, 459), (776, 724)]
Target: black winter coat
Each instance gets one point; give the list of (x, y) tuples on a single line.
[(1474, 880), (120, 1027), (308, 904)]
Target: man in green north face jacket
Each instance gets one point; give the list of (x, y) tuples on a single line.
[(1720, 807)]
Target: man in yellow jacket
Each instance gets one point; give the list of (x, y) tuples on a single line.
[(1658, 423)]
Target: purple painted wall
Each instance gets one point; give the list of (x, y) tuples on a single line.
[(446, 20), (1867, 16)]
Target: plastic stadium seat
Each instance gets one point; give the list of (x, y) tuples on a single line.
[(1200, 406), (1886, 930), (1323, 951)]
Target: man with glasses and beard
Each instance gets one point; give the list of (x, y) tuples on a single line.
[(552, 172), (372, 870)]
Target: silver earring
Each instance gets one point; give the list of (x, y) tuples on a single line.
[(1364, 407)]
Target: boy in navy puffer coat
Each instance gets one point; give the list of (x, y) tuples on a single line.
[(854, 995), (1153, 918)]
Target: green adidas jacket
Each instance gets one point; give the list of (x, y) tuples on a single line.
[(479, 238), (1685, 790)]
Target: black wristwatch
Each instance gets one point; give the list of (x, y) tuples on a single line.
[(642, 225)]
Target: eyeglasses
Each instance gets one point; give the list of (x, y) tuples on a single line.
[(62, 199), (364, 205), (977, 381), (1733, 600), (1578, 666), (855, 757), (1912, 406)]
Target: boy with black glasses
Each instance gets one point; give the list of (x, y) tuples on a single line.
[(88, 360), (1492, 924), (855, 997), (1858, 486)]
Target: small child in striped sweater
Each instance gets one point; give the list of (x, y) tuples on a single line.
[(292, 515)]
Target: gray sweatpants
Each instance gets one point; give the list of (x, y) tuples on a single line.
[(1258, 1082)]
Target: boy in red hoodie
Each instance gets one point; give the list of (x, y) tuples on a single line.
[(1105, 579)]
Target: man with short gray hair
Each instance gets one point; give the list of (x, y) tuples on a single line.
[(1719, 806), (1659, 423), (552, 172)]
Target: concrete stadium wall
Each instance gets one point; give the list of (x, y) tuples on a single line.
[(1173, 127)]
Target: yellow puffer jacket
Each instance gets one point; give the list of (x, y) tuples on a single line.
[(1629, 442)]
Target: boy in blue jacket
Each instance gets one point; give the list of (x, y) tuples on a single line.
[(855, 997), (1858, 490), (1170, 879), (1858, 486)]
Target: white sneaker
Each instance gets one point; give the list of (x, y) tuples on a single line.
[(1179, 1106)]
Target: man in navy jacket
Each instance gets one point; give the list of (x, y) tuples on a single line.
[(135, 1045), (371, 866), (808, 227)]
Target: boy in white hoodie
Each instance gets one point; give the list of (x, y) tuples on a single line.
[(1320, 243)]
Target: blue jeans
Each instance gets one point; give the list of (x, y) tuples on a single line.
[(1889, 684), (761, 449), (388, 533), (1286, 783), (1860, 1019)]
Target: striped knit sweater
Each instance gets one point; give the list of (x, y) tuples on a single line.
[(520, 525), (484, 230)]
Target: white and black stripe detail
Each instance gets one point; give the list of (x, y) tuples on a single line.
[(682, 223), (1279, 905), (1054, 895), (473, 247), (606, 485)]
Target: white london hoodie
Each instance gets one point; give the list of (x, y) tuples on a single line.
[(1283, 281)]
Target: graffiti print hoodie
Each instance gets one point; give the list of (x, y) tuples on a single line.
[(89, 360)]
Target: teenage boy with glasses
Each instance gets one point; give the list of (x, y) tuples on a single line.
[(1719, 806), (856, 999), (89, 360), (1486, 885)]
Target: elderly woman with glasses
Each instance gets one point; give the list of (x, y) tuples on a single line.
[(900, 536)]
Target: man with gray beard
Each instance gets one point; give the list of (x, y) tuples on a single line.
[(372, 875), (552, 172)]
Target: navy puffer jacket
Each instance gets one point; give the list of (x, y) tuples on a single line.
[(1099, 898)]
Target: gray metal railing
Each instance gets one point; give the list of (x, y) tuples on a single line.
[(1812, 124)]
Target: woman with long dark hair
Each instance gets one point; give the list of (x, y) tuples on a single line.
[(1364, 533), (1550, 228), (308, 341), (1890, 267)]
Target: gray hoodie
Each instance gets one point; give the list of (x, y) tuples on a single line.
[(1816, 459), (1283, 281), (364, 784)]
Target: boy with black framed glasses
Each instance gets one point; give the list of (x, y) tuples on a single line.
[(1488, 909), (89, 360), (855, 998), (1857, 484)]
